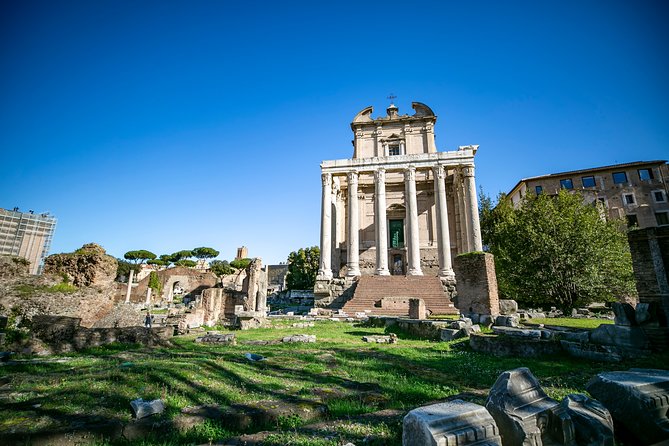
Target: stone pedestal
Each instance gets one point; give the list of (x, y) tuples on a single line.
[(417, 309), (477, 284)]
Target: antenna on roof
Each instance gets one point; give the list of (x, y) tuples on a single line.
[(391, 97)]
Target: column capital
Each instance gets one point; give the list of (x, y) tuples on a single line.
[(380, 175), (352, 177), (467, 171), (410, 173), (439, 171), (326, 177)]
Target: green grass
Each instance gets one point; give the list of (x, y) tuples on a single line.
[(571, 322), (340, 371)]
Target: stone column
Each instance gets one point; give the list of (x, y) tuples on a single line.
[(129, 290), (325, 269), (475, 243), (380, 223), (412, 219), (353, 246), (443, 233), (148, 295)]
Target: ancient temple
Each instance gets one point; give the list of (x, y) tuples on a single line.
[(398, 206)]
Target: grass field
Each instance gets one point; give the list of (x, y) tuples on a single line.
[(339, 371), (571, 322)]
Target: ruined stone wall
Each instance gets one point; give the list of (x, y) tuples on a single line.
[(191, 280), (650, 259), (476, 284), (87, 266)]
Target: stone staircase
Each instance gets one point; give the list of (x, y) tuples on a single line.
[(389, 295)]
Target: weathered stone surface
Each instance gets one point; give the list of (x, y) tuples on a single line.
[(417, 309), (143, 409), (451, 423), (510, 346), (646, 313), (508, 306), (517, 332), (638, 399), (477, 284), (451, 334), (87, 266), (594, 352), (299, 338), (216, 338), (522, 410), (575, 336), (506, 321), (392, 339), (621, 336), (12, 266), (593, 425), (624, 314)]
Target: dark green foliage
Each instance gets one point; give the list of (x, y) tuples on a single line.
[(139, 256), (186, 262), (556, 250), (302, 268), (166, 258), (158, 262), (154, 283), (221, 267), (240, 263), (205, 253), (180, 255), (124, 268)]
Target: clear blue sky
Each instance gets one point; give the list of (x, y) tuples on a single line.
[(170, 125)]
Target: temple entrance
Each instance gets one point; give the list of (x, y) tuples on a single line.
[(396, 230), (397, 265)]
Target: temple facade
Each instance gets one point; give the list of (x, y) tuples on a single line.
[(398, 206)]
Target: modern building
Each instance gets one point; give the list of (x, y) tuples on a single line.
[(637, 191), (27, 235), (398, 206)]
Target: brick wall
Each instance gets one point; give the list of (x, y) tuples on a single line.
[(650, 259), (477, 284)]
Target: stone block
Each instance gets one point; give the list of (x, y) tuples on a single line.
[(458, 325), (593, 352), (506, 321), (417, 309), (592, 423), (450, 334), (576, 336), (508, 306), (451, 423), (299, 338), (215, 338), (477, 283), (624, 314), (143, 409), (638, 399), (646, 314), (621, 336), (517, 332), (524, 413)]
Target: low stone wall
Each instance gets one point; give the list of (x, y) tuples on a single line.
[(510, 346), (60, 334)]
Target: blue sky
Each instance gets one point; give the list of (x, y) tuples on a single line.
[(169, 125)]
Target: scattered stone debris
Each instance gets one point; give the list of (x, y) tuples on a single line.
[(453, 422), (299, 338), (143, 409), (391, 339), (217, 338), (253, 357), (638, 399), (518, 332), (302, 325)]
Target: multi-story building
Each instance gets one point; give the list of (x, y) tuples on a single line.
[(636, 191), (27, 235), (398, 206)]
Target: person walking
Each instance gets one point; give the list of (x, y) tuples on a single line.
[(148, 319)]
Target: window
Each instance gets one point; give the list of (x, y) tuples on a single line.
[(396, 229), (394, 150), (632, 220), (628, 199), (645, 174), (538, 189), (619, 177), (662, 218), (588, 181), (658, 196), (566, 184)]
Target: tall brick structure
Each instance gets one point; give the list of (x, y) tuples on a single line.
[(650, 259)]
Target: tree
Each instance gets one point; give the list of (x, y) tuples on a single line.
[(180, 255), (556, 250), (221, 267), (139, 256), (157, 262), (240, 263), (166, 259), (155, 284), (302, 268), (188, 263), (205, 253), (124, 268)]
